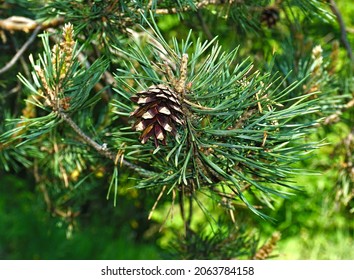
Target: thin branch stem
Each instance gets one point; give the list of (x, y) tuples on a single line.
[(101, 149), (156, 202), (42, 187), (334, 118), (46, 197), (204, 26), (198, 5), (20, 51), (182, 209), (190, 214), (18, 23), (340, 20), (196, 105)]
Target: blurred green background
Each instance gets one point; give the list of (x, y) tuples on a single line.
[(314, 223)]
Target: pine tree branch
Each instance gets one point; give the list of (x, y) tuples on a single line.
[(199, 5), (204, 25), (341, 23), (18, 23), (334, 118), (21, 50), (101, 149)]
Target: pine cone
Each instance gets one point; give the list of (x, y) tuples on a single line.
[(158, 112), (270, 16)]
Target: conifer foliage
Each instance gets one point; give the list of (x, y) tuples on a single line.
[(188, 120)]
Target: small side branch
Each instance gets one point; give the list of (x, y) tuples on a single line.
[(18, 23), (335, 117), (101, 149), (204, 25), (21, 51), (199, 5), (343, 30)]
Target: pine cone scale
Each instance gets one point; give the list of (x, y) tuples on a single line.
[(164, 122), (151, 113), (164, 110), (158, 132), (147, 133), (144, 100)]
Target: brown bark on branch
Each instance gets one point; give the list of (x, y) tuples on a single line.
[(101, 149), (17, 23)]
